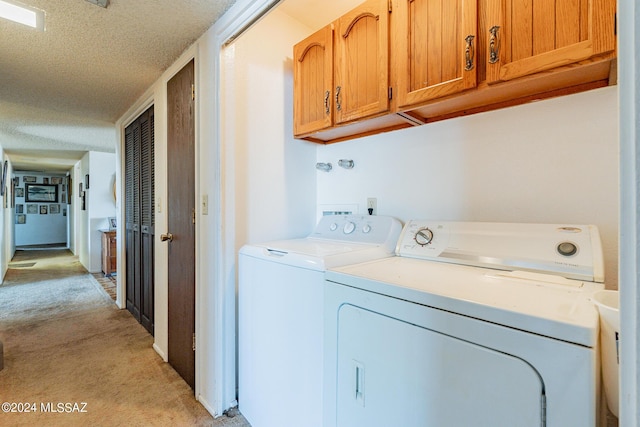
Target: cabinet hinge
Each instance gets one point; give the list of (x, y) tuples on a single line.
[(193, 215), (193, 92), (193, 347), (615, 24), (390, 92), (390, 7)]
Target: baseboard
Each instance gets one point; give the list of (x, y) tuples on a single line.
[(210, 409), (160, 352)]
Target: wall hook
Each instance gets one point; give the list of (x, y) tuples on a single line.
[(326, 167), (347, 164)]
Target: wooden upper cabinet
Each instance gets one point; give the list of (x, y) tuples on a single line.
[(436, 48), (313, 82), (526, 37), (362, 62)]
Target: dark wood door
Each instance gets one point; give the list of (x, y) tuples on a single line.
[(181, 221), (139, 218)]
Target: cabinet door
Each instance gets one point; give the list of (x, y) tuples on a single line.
[(527, 37), (362, 62), (436, 42), (313, 82)]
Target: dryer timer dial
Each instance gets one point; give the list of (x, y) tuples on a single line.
[(423, 237)]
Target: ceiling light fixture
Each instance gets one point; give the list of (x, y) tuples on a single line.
[(25, 15), (101, 3)]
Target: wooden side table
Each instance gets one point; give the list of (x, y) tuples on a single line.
[(109, 257)]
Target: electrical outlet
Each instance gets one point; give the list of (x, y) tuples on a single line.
[(372, 206)]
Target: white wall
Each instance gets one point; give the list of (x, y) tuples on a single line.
[(274, 174), (554, 161), (7, 216), (100, 202), (41, 229), (99, 205), (81, 215)]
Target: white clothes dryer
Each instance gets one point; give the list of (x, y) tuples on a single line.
[(473, 324), (280, 315)]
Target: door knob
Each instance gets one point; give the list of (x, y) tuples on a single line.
[(165, 237)]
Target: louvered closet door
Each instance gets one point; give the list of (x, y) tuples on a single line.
[(132, 214), (139, 217), (146, 222)]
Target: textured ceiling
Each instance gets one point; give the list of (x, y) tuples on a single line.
[(62, 90)]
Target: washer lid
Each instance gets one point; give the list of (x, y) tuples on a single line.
[(542, 304), (337, 240), (315, 254)]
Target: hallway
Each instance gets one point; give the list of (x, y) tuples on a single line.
[(66, 342)]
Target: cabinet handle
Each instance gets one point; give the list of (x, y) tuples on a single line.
[(338, 104), (469, 53), (494, 44), (166, 237), (326, 102)]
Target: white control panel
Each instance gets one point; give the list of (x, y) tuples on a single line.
[(359, 229), (572, 251)]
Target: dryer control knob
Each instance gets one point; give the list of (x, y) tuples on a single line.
[(366, 229), (567, 249), (333, 227), (349, 227), (423, 237)]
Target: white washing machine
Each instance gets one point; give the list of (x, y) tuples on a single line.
[(473, 324), (281, 293)]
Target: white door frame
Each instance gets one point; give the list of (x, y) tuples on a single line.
[(629, 91)]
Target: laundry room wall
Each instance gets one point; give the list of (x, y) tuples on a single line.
[(553, 161), (274, 174)]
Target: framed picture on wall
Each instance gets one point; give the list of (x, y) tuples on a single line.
[(44, 210), (19, 192), (41, 193), (19, 209), (32, 209), (31, 179), (21, 219), (56, 180), (54, 209)]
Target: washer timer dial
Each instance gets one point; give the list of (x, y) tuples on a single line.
[(423, 237), (349, 228)]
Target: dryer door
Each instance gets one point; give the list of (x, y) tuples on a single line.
[(393, 373)]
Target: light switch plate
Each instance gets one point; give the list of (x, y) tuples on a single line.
[(205, 204)]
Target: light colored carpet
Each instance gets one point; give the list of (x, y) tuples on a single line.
[(65, 342)]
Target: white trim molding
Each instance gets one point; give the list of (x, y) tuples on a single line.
[(629, 91), (217, 308)]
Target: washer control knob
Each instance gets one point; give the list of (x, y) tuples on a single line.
[(567, 249), (366, 229), (333, 227), (423, 237), (349, 227)]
